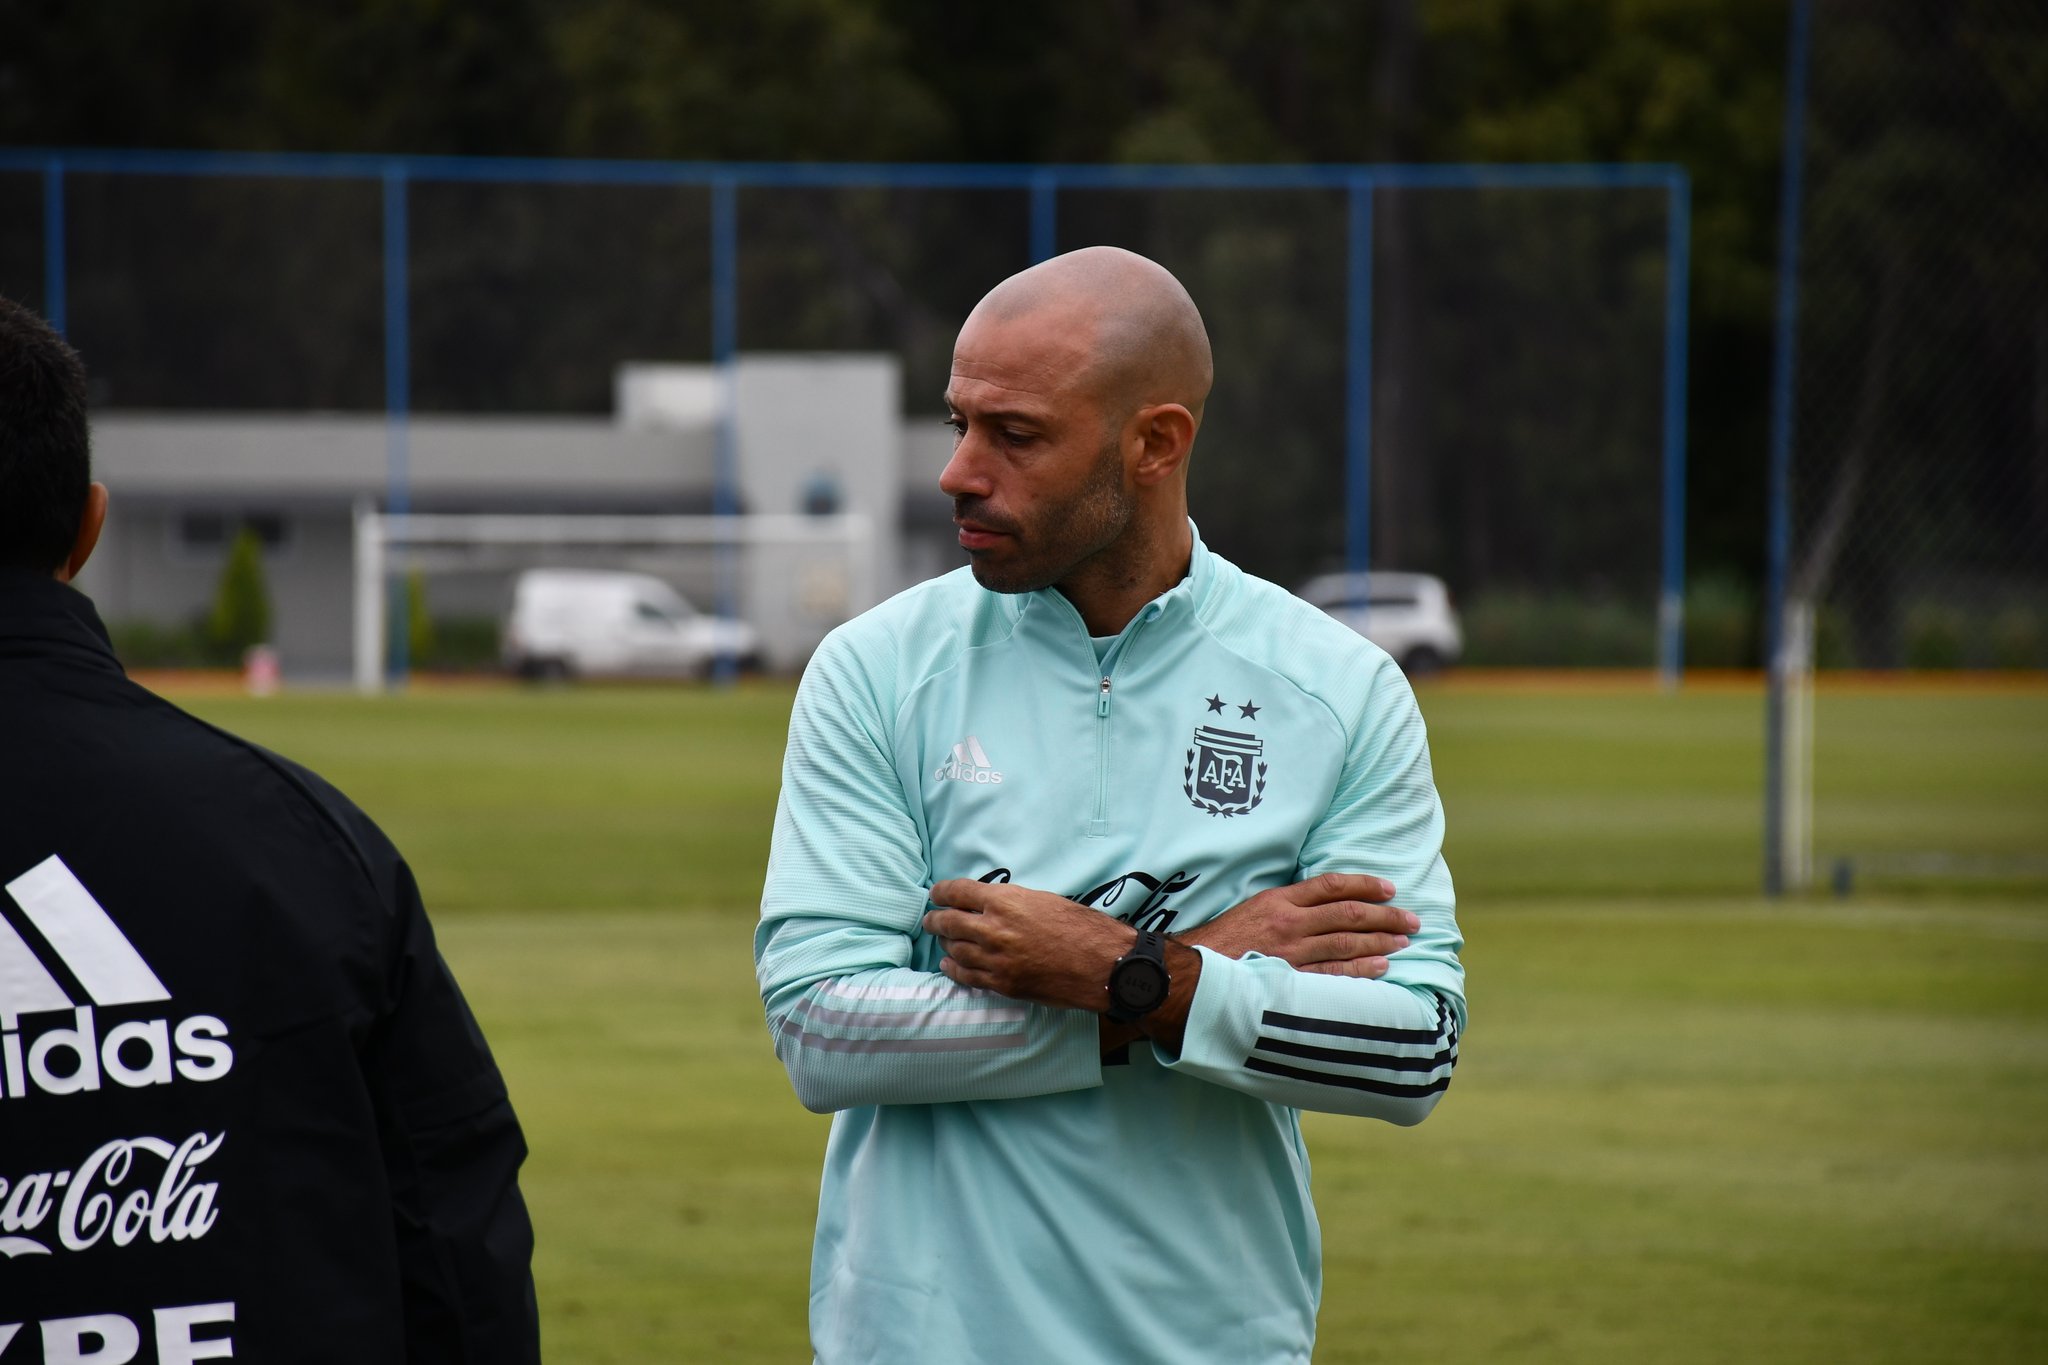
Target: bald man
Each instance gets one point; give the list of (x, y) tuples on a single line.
[(1082, 886)]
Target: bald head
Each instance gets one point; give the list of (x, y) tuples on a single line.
[(1076, 392), (1142, 333)]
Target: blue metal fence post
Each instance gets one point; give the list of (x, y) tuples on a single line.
[(1041, 185), (1044, 216), (1783, 366), (1677, 275), (397, 400), (1358, 379), (725, 316), (54, 303)]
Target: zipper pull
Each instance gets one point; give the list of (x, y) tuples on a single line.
[(1102, 700)]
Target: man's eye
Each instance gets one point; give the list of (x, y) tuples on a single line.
[(959, 427), (1017, 438)]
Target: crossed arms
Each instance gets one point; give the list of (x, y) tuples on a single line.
[(1282, 997), (1321, 994), (1044, 949)]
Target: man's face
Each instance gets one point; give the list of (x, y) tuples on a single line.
[(1037, 476)]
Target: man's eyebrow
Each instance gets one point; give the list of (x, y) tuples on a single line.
[(1002, 414)]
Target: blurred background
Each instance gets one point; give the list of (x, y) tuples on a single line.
[(1517, 368), (1631, 345)]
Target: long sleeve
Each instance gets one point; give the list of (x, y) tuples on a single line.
[(450, 1142), (452, 1150), (1381, 1049), (856, 1019)]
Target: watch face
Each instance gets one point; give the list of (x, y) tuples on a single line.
[(1139, 984)]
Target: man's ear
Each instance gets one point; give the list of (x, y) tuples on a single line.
[(1168, 431), (90, 523)]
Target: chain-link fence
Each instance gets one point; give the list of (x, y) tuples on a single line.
[(1919, 468), (1502, 350)]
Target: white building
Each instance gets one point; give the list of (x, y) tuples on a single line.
[(813, 433)]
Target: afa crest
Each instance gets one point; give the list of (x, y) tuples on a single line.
[(1226, 771)]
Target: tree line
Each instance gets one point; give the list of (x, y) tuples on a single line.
[(1909, 95)]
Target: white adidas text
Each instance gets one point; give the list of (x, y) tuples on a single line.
[(134, 1054), (78, 932)]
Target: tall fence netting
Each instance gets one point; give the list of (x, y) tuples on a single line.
[(1920, 469), (1516, 379)]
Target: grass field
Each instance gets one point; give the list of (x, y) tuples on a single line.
[(1688, 1126)]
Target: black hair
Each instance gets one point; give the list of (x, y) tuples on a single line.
[(45, 446)]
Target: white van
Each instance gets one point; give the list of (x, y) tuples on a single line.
[(599, 623), (1409, 615)]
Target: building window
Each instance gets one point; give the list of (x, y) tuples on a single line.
[(210, 532)]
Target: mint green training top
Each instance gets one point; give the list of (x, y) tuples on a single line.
[(995, 1191)]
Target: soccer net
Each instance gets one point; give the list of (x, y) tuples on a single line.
[(792, 578), (1918, 498)]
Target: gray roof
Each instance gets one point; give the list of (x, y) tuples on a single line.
[(244, 457)]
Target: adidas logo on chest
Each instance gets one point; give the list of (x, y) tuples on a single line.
[(969, 762)]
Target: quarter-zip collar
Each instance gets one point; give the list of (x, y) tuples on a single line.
[(1057, 624), (1186, 596)]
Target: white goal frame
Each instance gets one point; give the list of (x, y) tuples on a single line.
[(379, 534), (1795, 817)]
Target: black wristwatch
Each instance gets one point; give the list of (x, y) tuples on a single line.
[(1138, 981)]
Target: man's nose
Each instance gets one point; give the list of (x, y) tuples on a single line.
[(966, 474)]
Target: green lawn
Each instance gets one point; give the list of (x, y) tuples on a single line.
[(551, 799), (1688, 1126)]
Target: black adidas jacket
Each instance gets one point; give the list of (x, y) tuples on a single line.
[(244, 1111)]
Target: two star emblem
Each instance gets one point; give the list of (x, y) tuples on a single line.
[(1246, 710)]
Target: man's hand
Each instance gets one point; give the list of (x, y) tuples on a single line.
[(1338, 923), (1026, 944)]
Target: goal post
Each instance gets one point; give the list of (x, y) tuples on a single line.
[(794, 576), (1795, 667)]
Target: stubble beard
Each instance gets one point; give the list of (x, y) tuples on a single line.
[(1071, 533)]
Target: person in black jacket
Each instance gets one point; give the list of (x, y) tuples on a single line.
[(245, 1112)]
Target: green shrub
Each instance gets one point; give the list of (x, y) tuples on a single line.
[(1992, 630), (1721, 627), (462, 644), (2016, 637), (241, 604), (1834, 644), (146, 644), (419, 626), (1531, 630), (1936, 633)]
